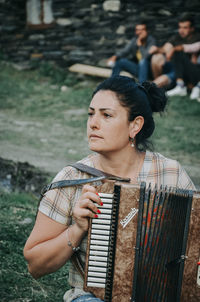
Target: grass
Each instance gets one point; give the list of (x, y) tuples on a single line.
[(17, 214), (177, 132)]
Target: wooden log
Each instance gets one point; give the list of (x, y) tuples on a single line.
[(95, 71)]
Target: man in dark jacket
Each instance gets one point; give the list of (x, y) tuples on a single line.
[(135, 57)]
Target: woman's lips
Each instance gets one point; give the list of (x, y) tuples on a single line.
[(95, 136)]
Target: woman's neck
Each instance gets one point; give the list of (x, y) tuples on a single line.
[(124, 165)]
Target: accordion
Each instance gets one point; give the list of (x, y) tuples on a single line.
[(144, 246)]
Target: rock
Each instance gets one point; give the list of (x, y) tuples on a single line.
[(165, 12), (64, 88), (36, 37), (121, 42), (121, 30), (22, 66), (5, 183), (77, 53), (112, 5), (64, 21), (26, 221), (36, 56)]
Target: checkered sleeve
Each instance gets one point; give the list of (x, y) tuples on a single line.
[(184, 181), (57, 203)]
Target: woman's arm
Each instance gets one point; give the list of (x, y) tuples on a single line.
[(47, 248)]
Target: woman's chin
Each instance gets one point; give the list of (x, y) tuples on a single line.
[(95, 148)]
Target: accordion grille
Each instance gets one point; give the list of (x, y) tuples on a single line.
[(162, 232)]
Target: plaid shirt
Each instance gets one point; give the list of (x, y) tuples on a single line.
[(58, 204)]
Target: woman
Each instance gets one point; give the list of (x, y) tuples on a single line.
[(120, 122)]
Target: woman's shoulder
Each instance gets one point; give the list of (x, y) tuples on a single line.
[(170, 171), (162, 160), (70, 172)]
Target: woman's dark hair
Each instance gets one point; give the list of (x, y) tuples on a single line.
[(140, 99)]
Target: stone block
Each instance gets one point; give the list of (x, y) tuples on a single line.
[(64, 21), (112, 5)]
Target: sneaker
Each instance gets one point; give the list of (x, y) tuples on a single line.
[(178, 90), (195, 93)]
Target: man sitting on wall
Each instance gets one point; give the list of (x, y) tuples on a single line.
[(135, 57), (186, 65)]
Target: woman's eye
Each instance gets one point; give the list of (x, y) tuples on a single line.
[(107, 115), (90, 113)]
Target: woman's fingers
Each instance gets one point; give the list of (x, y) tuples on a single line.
[(92, 197), (89, 192), (84, 213), (89, 204)]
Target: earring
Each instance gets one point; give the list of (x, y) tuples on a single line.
[(132, 142)]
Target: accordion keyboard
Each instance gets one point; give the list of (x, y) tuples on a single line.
[(99, 243)]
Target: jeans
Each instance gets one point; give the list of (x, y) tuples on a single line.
[(168, 70), (87, 298), (140, 70)]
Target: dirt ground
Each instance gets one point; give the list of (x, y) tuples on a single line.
[(46, 147)]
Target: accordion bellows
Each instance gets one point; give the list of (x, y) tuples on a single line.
[(147, 248)]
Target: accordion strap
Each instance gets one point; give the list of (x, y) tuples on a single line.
[(98, 175)]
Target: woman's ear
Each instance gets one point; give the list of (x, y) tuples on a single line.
[(136, 125)]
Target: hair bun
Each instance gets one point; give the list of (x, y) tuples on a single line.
[(156, 96)]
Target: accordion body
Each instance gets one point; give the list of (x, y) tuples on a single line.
[(144, 247)]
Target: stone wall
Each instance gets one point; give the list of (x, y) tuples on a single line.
[(85, 31)]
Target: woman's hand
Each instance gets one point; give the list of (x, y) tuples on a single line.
[(86, 207)]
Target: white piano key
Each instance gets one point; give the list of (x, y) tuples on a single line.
[(101, 221), (106, 206), (97, 280), (97, 269), (100, 237), (92, 284), (98, 258), (96, 274), (98, 242), (99, 253), (100, 227), (99, 247), (105, 211), (101, 232), (104, 216), (106, 195), (97, 263), (106, 201)]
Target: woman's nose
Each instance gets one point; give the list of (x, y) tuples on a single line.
[(94, 121)]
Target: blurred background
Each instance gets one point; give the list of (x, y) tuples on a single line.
[(43, 109)]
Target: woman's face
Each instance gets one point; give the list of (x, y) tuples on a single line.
[(108, 128)]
